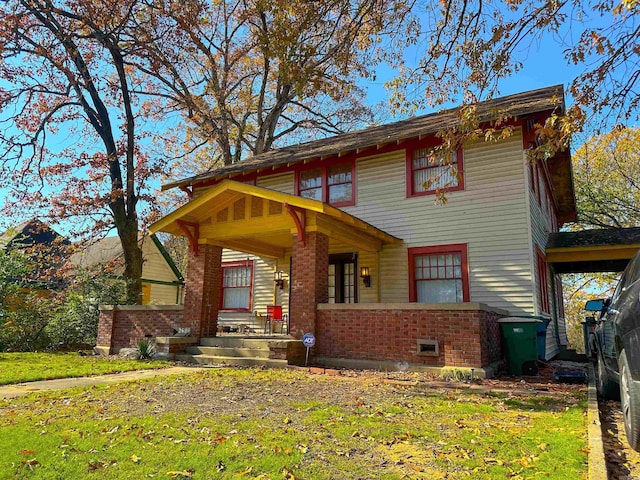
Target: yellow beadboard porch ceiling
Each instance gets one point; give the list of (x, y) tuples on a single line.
[(261, 221)]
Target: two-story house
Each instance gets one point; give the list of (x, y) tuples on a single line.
[(371, 263)]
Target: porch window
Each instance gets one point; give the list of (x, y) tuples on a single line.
[(236, 285), (330, 183), (439, 274), (429, 171)]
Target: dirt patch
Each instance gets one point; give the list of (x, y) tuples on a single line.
[(252, 397), (623, 462)]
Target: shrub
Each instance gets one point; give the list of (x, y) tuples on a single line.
[(24, 327), (146, 349), (77, 319)]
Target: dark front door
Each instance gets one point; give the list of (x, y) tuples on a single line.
[(343, 280)]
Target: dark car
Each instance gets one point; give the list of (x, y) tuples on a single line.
[(615, 347)]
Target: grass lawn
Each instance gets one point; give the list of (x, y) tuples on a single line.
[(275, 424), (28, 367)]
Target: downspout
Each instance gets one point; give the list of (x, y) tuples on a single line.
[(378, 286)]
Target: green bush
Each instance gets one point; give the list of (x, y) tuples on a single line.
[(76, 322), (24, 326), (35, 320)]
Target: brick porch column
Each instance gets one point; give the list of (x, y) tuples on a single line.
[(202, 290), (104, 340), (310, 278)]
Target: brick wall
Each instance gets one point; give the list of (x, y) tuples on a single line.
[(309, 282), (124, 326), (202, 290), (466, 338)]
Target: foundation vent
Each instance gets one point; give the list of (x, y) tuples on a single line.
[(428, 348)]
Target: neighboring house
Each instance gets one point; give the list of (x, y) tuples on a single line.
[(46, 250), (373, 266), (162, 282)]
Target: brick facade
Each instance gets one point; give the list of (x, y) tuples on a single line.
[(467, 338), (123, 326), (202, 290), (310, 282)]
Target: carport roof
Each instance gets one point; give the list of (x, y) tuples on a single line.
[(596, 250)]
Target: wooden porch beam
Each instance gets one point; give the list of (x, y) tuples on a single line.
[(192, 236), (299, 221)]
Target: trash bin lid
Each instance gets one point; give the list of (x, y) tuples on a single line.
[(519, 320)]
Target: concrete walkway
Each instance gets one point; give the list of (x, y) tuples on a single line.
[(20, 389)]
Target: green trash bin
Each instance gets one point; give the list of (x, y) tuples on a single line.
[(520, 344)]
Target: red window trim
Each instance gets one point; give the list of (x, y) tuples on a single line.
[(543, 281), (427, 143), (460, 248), (324, 167), (236, 264), (537, 170)]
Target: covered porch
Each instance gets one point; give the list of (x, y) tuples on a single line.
[(297, 234)]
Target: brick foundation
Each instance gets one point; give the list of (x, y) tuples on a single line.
[(468, 334), (123, 326)]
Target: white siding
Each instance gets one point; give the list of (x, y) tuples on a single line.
[(490, 215)]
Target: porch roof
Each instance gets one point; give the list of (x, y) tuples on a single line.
[(257, 220), (597, 250)]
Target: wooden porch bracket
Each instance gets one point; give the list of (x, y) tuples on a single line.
[(192, 236), (188, 190), (299, 221)]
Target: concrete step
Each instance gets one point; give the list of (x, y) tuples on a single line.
[(229, 351), (239, 361), (241, 342)]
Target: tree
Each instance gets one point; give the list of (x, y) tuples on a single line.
[(607, 177), (468, 46), (64, 75), (606, 173), (247, 73)]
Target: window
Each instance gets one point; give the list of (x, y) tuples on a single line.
[(429, 171), (236, 285), (330, 183), (439, 274), (543, 283), (310, 184)]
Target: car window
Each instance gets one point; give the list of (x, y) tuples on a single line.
[(633, 271), (619, 287)]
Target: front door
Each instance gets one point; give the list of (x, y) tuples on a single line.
[(342, 278)]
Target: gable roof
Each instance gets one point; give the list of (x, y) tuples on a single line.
[(513, 106), (276, 217), (29, 233)]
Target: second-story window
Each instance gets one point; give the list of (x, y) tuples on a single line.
[(310, 184), (430, 171), (340, 184), (330, 183)]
